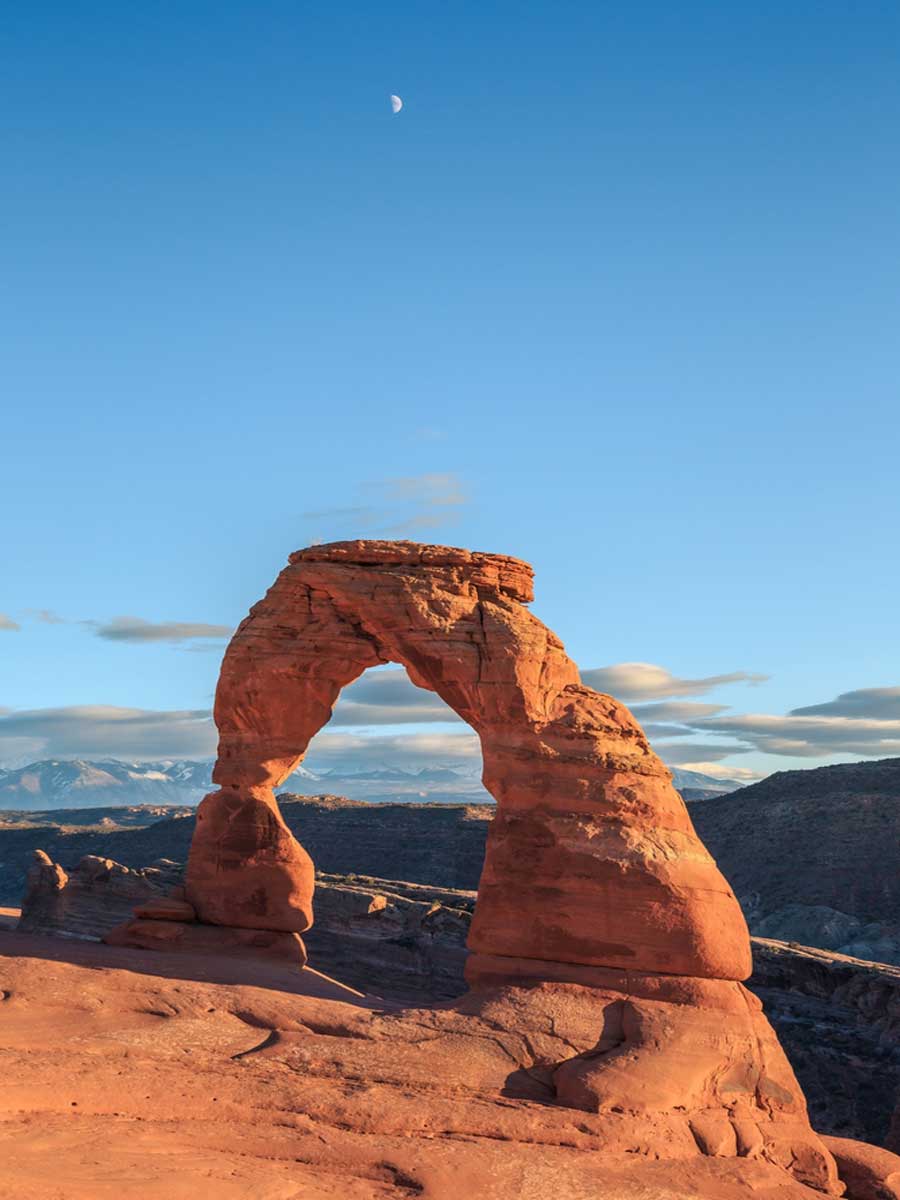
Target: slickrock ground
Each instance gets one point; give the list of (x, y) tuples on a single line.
[(122, 1078), (838, 1018)]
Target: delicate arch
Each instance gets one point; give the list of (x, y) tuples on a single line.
[(591, 858)]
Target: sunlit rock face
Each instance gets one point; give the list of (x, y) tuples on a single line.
[(592, 858), (597, 905)]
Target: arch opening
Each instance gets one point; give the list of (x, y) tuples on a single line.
[(389, 740)]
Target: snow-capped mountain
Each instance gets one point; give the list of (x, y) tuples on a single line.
[(692, 783), (82, 783), (79, 783)]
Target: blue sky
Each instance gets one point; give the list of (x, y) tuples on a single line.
[(616, 292)]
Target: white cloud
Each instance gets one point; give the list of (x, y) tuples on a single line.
[(880, 703), (136, 629), (347, 751), (9, 624), (647, 681), (809, 737), (391, 506), (105, 731), (389, 698), (717, 771)]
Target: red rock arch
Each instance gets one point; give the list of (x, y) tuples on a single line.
[(591, 860)]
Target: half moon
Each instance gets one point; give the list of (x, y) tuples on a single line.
[(396, 104)]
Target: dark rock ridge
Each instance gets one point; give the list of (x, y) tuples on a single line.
[(812, 853), (826, 836), (838, 1019), (77, 783), (401, 940), (435, 844)]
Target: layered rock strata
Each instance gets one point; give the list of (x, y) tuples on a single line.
[(591, 859), (595, 888)]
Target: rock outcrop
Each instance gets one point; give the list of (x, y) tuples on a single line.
[(596, 899), (824, 839), (591, 859), (128, 1074), (837, 1018), (93, 898)]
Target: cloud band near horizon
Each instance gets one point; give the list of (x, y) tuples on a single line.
[(864, 723)]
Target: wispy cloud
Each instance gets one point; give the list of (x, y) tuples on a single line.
[(877, 703), (676, 710), (403, 505), (46, 616), (683, 754), (809, 737), (864, 722), (136, 629), (105, 731), (717, 771), (347, 751), (647, 681), (9, 624), (389, 698)]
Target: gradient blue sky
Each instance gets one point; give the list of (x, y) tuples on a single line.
[(617, 292)]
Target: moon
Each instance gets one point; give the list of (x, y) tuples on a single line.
[(396, 104)]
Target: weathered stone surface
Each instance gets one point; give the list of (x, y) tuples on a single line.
[(165, 909), (838, 1019), (869, 1172), (95, 897), (591, 858), (246, 867), (168, 935), (592, 862), (133, 1075)]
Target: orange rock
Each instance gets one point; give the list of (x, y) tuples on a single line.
[(869, 1172), (219, 940), (592, 857), (599, 909), (165, 909)]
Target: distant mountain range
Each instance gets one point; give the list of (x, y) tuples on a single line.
[(82, 783), (694, 785), (79, 783)]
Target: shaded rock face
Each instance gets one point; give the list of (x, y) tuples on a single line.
[(403, 941), (829, 929), (838, 1020), (591, 858), (822, 837), (93, 898)]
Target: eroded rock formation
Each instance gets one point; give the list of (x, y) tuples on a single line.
[(592, 858), (597, 899)]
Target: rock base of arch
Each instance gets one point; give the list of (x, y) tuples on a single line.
[(679, 1065), (195, 938)]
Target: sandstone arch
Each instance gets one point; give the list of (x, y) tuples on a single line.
[(603, 930), (592, 859)]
